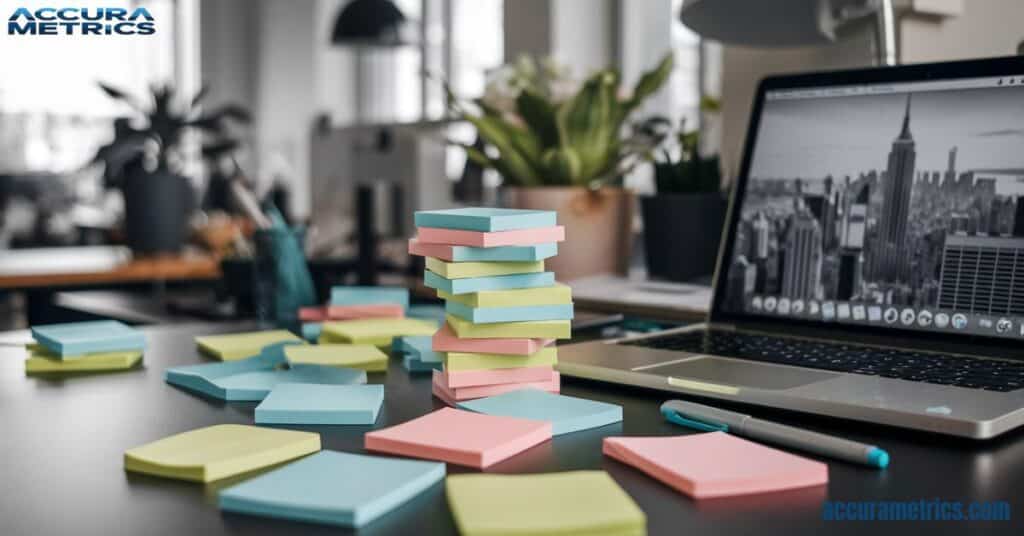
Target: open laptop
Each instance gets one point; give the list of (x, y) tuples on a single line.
[(872, 266)]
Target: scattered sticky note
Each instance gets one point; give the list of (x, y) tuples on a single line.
[(459, 437), (462, 270), (452, 395), (565, 413), (485, 218), (456, 361), (80, 338), (445, 340), (473, 378), (305, 403), (42, 361), (557, 294), (426, 312), (336, 488), (233, 346), (480, 239), (476, 284), (355, 295), (716, 464), (419, 346), (313, 314), (551, 329), (376, 331), (221, 451), (448, 252), (353, 312), (575, 502), (414, 364), (493, 315), (358, 356)]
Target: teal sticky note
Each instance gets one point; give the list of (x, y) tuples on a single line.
[(565, 413), (414, 364), (494, 282), (426, 312), (418, 346), (536, 252), (485, 219), (491, 315), (80, 338), (369, 295), (311, 330), (336, 488), (307, 403)]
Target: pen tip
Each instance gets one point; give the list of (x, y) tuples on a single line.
[(878, 457)]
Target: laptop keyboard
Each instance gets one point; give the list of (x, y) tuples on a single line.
[(968, 372)]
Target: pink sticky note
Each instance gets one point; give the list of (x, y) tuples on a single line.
[(481, 239), (355, 312), (445, 340), (448, 393), (473, 378), (460, 437), (440, 251), (716, 464), (312, 314)]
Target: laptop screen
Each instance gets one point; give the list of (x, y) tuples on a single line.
[(895, 205)]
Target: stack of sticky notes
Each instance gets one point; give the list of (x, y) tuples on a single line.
[(354, 303), (336, 488), (716, 464), (575, 502), (97, 346), (503, 309), (418, 354)]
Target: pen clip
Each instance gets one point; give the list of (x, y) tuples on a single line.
[(675, 417)]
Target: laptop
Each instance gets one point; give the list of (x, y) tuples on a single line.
[(872, 263)]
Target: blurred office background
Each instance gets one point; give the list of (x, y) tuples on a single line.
[(335, 111)]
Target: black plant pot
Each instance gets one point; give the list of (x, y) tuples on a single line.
[(681, 234), (157, 209)]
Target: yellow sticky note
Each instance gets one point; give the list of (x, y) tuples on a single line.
[(232, 346), (558, 294), (476, 361), (41, 361), (221, 451), (533, 329), (460, 270), (375, 331), (570, 503), (358, 356)]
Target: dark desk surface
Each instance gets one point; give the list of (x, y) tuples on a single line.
[(62, 443)]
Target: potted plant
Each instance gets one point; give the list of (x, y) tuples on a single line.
[(683, 221), (144, 161), (565, 147)]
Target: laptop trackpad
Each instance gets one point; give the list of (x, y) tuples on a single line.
[(741, 373)]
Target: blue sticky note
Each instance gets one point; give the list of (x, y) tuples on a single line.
[(369, 295), (491, 315), (536, 252), (426, 312), (485, 219), (306, 403), (565, 413), (494, 282), (251, 379), (311, 330), (414, 364), (418, 346), (80, 338), (335, 488)]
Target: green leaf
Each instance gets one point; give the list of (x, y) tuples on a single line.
[(539, 116), (562, 165), (650, 82)]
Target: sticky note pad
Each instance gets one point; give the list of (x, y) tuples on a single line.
[(221, 451), (377, 310), (357, 356), (565, 413), (313, 314), (370, 296), (306, 403), (452, 395), (233, 346), (335, 488), (414, 364), (462, 270), (491, 315), (80, 338), (485, 218), (476, 284), (455, 361), (575, 502), (716, 464), (473, 378), (418, 346), (426, 312), (447, 252), (42, 361), (534, 329), (459, 437), (557, 294), (376, 331), (445, 340), (480, 239)]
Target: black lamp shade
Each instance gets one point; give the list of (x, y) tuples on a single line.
[(369, 23)]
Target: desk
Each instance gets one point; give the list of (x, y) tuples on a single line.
[(63, 441)]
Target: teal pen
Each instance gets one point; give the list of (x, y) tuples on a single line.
[(709, 419)]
